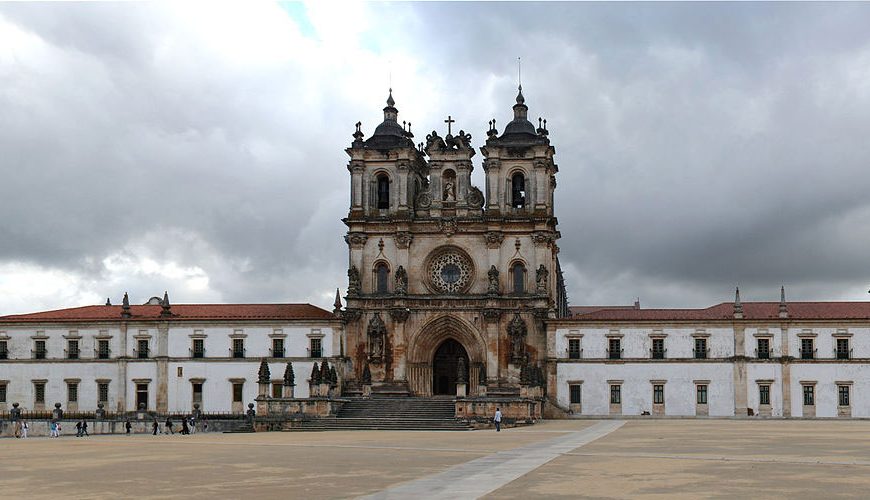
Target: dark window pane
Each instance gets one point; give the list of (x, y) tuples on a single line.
[(764, 394), (843, 391), (702, 394), (658, 394), (615, 394), (574, 348), (237, 392), (383, 192), (316, 348), (575, 393)]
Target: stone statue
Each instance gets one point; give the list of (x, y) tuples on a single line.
[(251, 413), (353, 282), (100, 414), (401, 281), (196, 413), (493, 288), (461, 377), (377, 330), (517, 332), (449, 193), (56, 413), (481, 376), (15, 413), (541, 276)]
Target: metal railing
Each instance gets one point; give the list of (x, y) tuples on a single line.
[(658, 353), (808, 354), (614, 353), (237, 353), (701, 353), (315, 353), (102, 354), (762, 354), (71, 353), (196, 353), (276, 353), (843, 354), (39, 353), (575, 353), (141, 353)]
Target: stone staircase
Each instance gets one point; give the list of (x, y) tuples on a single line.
[(383, 413)]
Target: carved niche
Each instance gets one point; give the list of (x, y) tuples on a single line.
[(517, 332), (377, 332)]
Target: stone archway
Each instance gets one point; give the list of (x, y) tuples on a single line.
[(445, 367), (424, 344)]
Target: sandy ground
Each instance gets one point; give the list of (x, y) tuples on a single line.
[(650, 459)]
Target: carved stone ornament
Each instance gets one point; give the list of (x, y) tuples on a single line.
[(423, 200), (356, 240), (450, 272), (475, 197), (542, 238), (494, 239), (401, 281), (517, 332), (377, 332), (541, 278), (448, 226), (461, 368), (263, 376), (351, 315), (491, 315), (400, 314), (353, 281), (492, 275), (289, 375), (404, 239)]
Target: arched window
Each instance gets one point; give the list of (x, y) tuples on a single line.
[(518, 190), (383, 192), (518, 275), (382, 278)]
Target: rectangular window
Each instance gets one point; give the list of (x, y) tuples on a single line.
[(197, 392), (142, 349), (4, 353), (658, 394), (198, 348), (238, 348), (573, 348), (72, 349), (316, 351), (2, 393), (702, 394), (700, 348), (72, 392), (103, 349), (843, 395), (614, 351), (807, 349), (763, 351), (658, 348), (237, 392), (277, 389), (764, 394), (39, 393), (809, 395), (277, 348), (103, 392), (616, 394), (142, 396), (575, 389), (843, 349), (39, 349)]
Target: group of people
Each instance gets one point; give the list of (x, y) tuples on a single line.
[(82, 428), (20, 428), (188, 426)]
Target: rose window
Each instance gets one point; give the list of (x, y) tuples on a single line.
[(450, 272)]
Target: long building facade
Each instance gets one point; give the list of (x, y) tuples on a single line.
[(456, 291)]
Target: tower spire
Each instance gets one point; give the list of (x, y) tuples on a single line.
[(783, 306), (738, 306)]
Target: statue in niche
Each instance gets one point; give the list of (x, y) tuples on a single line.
[(541, 276), (449, 191), (353, 282), (517, 332), (493, 287), (401, 281), (461, 377), (377, 332)]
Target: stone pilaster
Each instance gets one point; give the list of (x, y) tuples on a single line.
[(786, 371), (740, 387), (163, 368)]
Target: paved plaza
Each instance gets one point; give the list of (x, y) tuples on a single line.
[(596, 459)]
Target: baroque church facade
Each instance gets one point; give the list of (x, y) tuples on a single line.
[(454, 292)]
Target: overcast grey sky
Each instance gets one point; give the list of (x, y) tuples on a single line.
[(199, 148)]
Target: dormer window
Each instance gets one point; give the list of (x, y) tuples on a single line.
[(518, 190), (383, 192)]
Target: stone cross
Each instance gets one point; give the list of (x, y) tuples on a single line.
[(449, 121)]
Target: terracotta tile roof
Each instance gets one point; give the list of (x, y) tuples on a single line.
[(578, 310), (180, 312), (725, 311)]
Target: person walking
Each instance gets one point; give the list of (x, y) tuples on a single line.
[(24, 429), (185, 428), (169, 426), (497, 419), (156, 426), (85, 428), (128, 426), (55, 429), (79, 429)]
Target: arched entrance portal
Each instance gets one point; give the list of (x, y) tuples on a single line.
[(445, 367)]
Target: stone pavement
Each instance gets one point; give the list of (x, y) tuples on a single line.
[(642, 458)]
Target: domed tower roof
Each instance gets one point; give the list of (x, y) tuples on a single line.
[(389, 134), (520, 125)]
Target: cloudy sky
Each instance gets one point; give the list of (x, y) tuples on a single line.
[(199, 147)]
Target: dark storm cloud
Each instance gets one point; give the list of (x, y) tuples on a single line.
[(700, 145)]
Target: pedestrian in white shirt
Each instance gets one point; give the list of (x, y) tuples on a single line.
[(497, 419)]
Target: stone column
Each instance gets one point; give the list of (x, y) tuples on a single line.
[(122, 369), (740, 396), (786, 371), (163, 368)]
